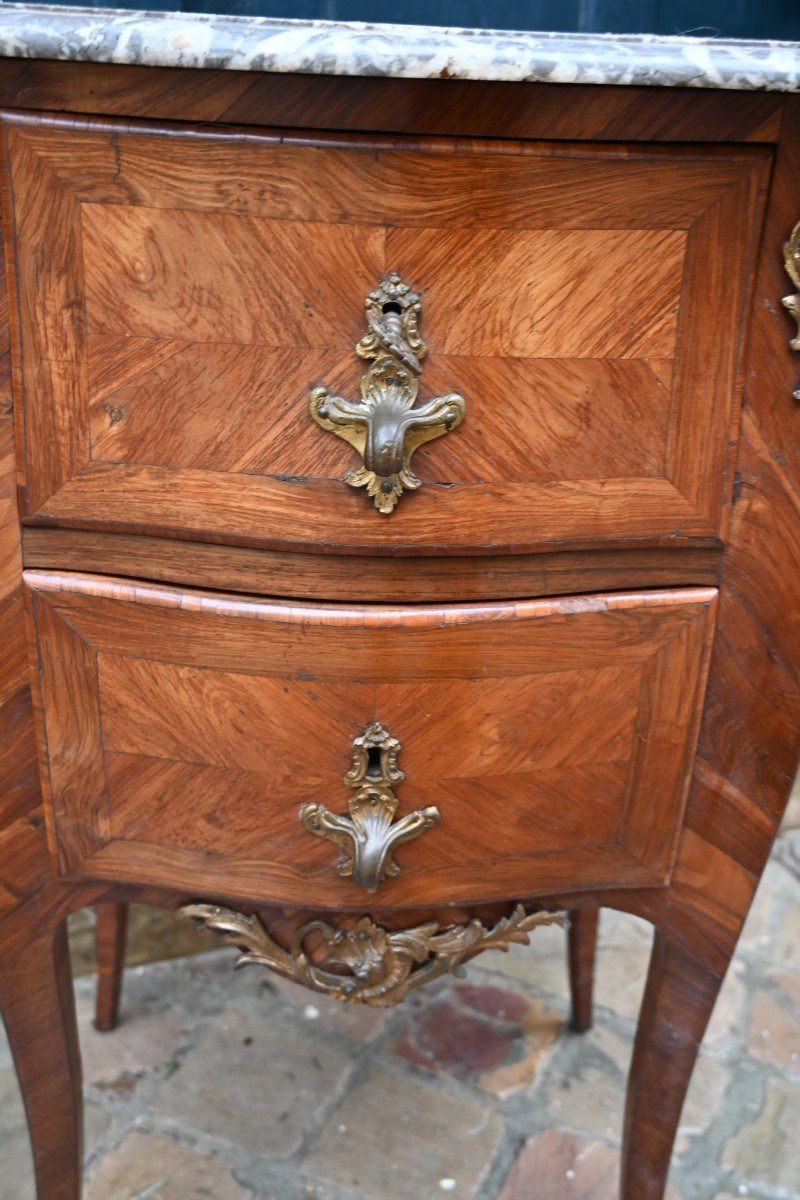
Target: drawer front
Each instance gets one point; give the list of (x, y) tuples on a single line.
[(180, 293), (190, 740)]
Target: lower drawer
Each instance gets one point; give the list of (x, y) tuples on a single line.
[(323, 756)]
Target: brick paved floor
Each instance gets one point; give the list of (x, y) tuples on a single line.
[(242, 1087)]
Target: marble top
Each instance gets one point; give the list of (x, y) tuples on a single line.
[(403, 51)]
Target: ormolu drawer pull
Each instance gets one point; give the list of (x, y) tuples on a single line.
[(791, 260), (370, 834), (385, 427)]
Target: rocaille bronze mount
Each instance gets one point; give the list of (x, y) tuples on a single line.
[(370, 834), (386, 426), (791, 260), (367, 964)]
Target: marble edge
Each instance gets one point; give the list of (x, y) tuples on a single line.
[(234, 43)]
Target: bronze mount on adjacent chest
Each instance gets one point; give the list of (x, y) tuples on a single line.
[(791, 259)]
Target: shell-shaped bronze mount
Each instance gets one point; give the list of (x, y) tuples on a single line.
[(387, 425)]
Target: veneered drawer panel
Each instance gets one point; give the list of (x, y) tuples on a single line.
[(181, 292), (554, 737)]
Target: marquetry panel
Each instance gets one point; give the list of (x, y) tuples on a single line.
[(180, 291), (555, 737)]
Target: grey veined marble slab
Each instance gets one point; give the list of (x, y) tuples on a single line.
[(403, 51)]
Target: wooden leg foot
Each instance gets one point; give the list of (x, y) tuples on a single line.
[(678, 1001), (37, 1003), (110, 933), (582, 947)]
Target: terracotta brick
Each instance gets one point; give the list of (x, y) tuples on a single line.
[(16, 1165), (254, 1084), (562, 1166), (445, 1035), (396, 1137), (710, 1081), (358, 1021), (15, 1154), (493, 1002), (145, 1165), (772, 929), (773, 1034), (496, 1037), (767, 1150), (145, 1039)]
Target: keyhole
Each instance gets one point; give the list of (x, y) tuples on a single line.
[(374, 762), (391, 307)]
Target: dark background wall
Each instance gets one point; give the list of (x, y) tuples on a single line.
[(723, 18)]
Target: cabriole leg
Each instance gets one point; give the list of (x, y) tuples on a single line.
[(38, 1007), (678, 1000)]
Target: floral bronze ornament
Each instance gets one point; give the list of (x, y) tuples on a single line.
[(369, 835), (367, 964), (791, 260), (386, 426)]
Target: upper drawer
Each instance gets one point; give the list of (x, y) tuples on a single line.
[(180, 292), (190, 738)]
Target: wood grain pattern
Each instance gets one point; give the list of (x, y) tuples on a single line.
[(472, 109), (73, 783), (20, 802), (750, 736), (597, 414), (288, 513), (389, 580), (36, 998), (213, 735), (570, 418), (302, 283), (38, 1010), (677, 1004), (274, 283)]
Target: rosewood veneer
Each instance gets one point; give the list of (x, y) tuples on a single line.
[(549, 664)]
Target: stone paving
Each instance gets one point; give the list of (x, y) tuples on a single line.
[(243, 1087)]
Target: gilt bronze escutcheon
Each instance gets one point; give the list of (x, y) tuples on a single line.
[(791, 260), (370, 834), (386, 426)]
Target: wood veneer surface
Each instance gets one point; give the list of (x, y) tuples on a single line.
[(750, 735), (552, 111), (554, 736), (587, 300), (382, 579)]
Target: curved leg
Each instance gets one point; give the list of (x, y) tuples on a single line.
[(110, 933), (582, 948), (678, 1001), (37, 1003)]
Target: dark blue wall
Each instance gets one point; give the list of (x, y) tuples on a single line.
[(724, 18)]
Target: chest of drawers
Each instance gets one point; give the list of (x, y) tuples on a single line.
[(548, 663)]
